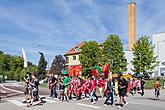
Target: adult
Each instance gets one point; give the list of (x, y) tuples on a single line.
[(142, 85), (122, 86), (109, 93)]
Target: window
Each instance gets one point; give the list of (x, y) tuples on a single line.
[(77, 49), (74, 57), (67, 59)]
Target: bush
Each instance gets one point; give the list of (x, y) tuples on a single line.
[(150, 83)]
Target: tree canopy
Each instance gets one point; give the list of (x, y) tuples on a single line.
[(42, 65), (58, 65), (90, 56), (144, 59), (113, 54)]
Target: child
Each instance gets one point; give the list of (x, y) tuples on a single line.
[(157, 88), (61, 88)]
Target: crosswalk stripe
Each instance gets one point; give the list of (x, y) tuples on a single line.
[(17, 103), (50, 101), (87, 105)]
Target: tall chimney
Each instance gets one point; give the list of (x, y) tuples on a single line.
[(131, 25)]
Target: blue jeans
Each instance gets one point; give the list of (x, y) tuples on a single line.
[(108, 96), (54, 95)]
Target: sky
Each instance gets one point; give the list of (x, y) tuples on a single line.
[(54, 26)]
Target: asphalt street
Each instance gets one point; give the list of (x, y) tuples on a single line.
[(136, 102)]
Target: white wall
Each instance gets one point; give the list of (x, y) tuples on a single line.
[(158, 40), (129, 57)]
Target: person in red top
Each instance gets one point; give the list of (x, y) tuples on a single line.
[(70, 88), (104, 86), (93, 90), (86, 87), (100, 85), (129, 86)]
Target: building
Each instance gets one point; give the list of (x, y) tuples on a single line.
[(129, 57), (158, 41), (131, 25), (72, 55)]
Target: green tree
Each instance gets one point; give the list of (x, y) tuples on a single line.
[(90, 56), (113, 54), (42, 66), (144, 59), (58, 65)]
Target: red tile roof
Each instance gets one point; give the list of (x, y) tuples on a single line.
[(72, 50)]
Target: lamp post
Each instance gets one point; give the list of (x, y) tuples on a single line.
[(158, 56), (45, 55)]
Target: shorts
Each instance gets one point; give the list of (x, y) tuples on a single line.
[(66, 90), (122, 93)]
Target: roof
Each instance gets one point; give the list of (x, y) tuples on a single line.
[(73, 51)]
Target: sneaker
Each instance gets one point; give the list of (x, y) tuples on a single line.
[(125, 105), (93, 102), (105, 105), (113, 105), (119, 107)]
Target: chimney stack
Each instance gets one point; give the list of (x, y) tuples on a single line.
[(131, 25)]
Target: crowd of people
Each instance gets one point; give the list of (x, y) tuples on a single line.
[(83, 87), (32, 89), (66, 88)]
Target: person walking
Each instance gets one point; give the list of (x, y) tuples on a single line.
[(142, 85), (109, 93), (157, 88), (66, 83), (122, 91)]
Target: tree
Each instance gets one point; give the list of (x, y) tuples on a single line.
[(42, 66), (144, 59), (113, 54), (90, 56), (58, 65)]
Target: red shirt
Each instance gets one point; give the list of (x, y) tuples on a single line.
[(100, 83), (93, 85)]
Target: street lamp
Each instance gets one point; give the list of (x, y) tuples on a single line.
[(158, 55), (45, 55)]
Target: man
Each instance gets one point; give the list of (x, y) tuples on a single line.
[(122, 91), (54, 86), (109, 93)]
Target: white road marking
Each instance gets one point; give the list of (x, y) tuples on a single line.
[(11, 89), (85, 105), (17, 103), (50, 101)]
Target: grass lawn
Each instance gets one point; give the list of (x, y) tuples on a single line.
[(150, 83), (43, 85)]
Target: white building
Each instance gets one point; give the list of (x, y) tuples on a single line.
[(129, 57), (158, 41)]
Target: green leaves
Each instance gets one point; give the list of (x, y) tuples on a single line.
[(42, 66), (144, 59), (113, 54), (90, 56), (58, 65)]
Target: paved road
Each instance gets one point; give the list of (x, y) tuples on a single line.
[(136, 102), (16, 89)]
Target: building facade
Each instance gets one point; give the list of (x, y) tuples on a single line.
[(72, 55), (158, 41)]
